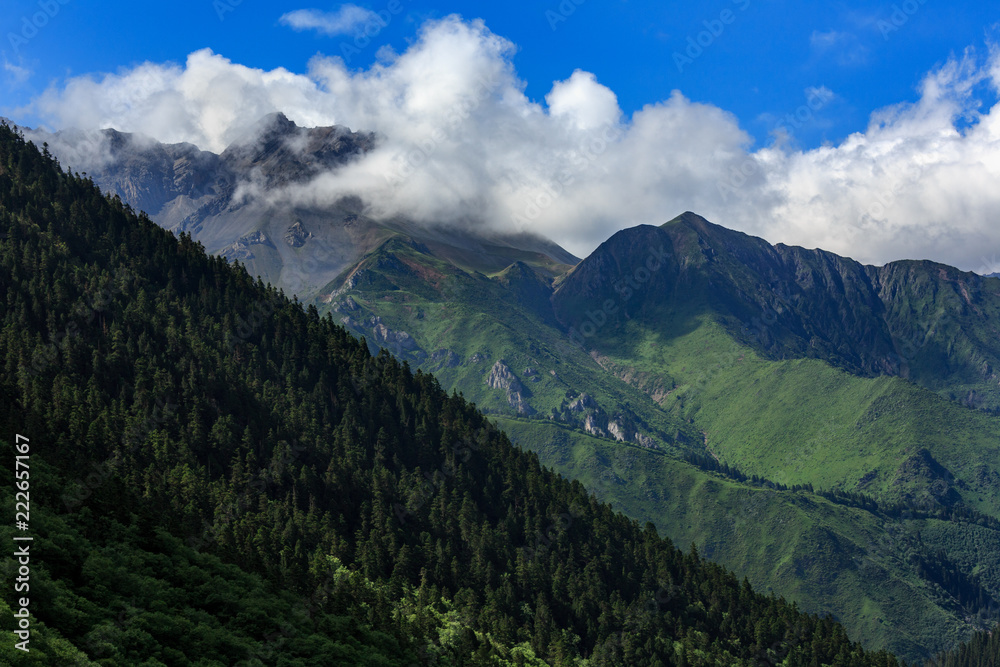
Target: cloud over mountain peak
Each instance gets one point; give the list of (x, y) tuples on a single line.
[(462, 142)]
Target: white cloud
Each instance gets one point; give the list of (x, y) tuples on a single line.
[(843, 47), (463, 143), (210, 101), (344, 21), (15, 74), (584, 101)]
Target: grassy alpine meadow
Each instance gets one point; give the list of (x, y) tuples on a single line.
[(803, 421)]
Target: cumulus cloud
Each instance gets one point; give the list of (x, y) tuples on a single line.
[(462, 143), (583, 101), (210, 101), (344, 21)]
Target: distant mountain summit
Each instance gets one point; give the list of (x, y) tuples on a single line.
[(929, 322), (179, 184), (282, 152), (222, 200)]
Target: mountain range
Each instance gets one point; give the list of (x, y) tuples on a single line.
[(205, 494), (692, 343), (225, 201), (827, 429)]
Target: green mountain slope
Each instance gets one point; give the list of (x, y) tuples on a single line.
[(767, 402), (804, 421), (495, 339), (881, 571), (795, 366), (214, 478), (923, 321)]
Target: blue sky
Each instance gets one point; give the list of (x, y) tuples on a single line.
[(867, 128), (764, 58)]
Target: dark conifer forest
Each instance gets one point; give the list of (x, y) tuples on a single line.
[(983, 650)]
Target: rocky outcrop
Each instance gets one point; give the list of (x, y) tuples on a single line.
[(296, 235), (583, 412), (500, 377), (590, 425), (644, 440), (582, 402), (394, 341), (242, 248), (347, 305), (616, 431)]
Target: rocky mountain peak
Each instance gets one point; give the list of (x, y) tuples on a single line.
[(286, 152)]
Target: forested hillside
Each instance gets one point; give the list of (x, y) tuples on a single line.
[(199, 442), (983, 650)]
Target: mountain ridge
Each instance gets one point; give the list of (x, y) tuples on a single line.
[(815, 304), (222, 200)]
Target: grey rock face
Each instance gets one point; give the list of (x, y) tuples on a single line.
[(242, 248), (501, 377), (296, 236), (393, 340), (591, 426)]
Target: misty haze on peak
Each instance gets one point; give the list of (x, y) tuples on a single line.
[(252, 203), (454, 140)]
